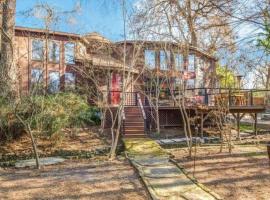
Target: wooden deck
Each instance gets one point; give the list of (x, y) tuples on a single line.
[(141, 117)]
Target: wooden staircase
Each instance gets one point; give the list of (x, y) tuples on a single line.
[(133, 125)]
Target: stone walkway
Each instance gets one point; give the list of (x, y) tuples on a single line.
[(163, 178)]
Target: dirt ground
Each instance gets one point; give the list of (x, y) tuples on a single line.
[(244, 175), (86, 139), (78, 179)]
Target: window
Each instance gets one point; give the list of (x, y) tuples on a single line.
[(164, 60), (36, 79), (69, 53), (190, 83), (191, 62), (178, 60), (150, 59), (69, 81), (54, 82), (37, 49), (200, 73), (54, 51)]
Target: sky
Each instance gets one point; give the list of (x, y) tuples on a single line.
[(102, 16)]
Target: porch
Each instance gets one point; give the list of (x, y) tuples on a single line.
[(140, 107)]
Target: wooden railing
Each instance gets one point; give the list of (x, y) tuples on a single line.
[(142, 110), (206, 96)]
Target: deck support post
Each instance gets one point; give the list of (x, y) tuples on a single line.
[(238, 125), (202, 120), (255, 123), (238, 118)]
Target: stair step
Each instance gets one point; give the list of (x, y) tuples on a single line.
[(132, 111), (134, 130), (131, 118), (134, 122), (135, 136), (133, 126)]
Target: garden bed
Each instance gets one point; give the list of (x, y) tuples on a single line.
[(79, 143)]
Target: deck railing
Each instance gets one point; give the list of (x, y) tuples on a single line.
[(205, 96)]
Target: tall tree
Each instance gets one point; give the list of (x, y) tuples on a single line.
[(8, 73), (265, 43)]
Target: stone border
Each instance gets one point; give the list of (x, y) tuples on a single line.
[(9, 161), (195, 181)]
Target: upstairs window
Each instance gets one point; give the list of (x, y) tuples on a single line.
[(37, 49), (54, 82), (150, 61), (69, 53), (164, 60), (191, 63), (54, 51), (178, 61), (69, 81)]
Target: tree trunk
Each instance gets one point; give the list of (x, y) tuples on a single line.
[(1, 18), (268, 79), (34, 146), (8, 79)]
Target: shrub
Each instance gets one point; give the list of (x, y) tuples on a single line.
[(47, 115), (10, 128)]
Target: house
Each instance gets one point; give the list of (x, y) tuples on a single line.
[(153, 72)]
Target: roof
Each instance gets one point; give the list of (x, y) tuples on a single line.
[(196, 49), (43, 31), (106, 61), (96, 37)]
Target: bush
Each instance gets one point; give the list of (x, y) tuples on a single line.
[(47, 115), (9, 126)]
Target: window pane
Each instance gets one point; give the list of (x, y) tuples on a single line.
[(69, 53), (164, 58), (36, 75), (54, 82), (191, 62), (54, 51), (37, 50), (191, 83), (200, 73), (69, 81), (150, 59), (36, 79), (178, 58)]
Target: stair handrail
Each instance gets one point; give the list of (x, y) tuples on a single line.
[(123, 114), (123, 121), (141, 105)]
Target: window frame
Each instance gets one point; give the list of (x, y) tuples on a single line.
[(39, 80), (150, 51), (68, 86), (181, 66), (69, 62), (50, 82), (33, 49), (59, 51), (191, 69), (167, 60)]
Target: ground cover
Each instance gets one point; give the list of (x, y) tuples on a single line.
[(95, 178), (243, 175)]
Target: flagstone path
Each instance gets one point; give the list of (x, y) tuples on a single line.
[(163, 178)]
